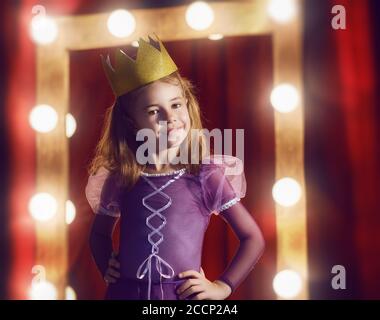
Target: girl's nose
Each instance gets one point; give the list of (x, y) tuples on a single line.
[(169, 116)]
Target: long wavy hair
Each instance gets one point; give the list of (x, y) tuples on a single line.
[(117, 146)]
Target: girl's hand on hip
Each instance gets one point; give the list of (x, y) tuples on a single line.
[(112, 272), (200, 288)]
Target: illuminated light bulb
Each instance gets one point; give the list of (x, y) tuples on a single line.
[(286, 192), (43, 206), (287, 284), (70, 293), (282, 11), (284, 98), (216, 36), (199, 15), (121, 23), (43, 290), (43, 30), (70, 212), (43, 118), (71, 125)]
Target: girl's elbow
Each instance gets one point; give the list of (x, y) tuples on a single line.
[(257, 240), (260, 241), (262, 244)]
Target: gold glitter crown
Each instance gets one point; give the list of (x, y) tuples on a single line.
[(150, 65)]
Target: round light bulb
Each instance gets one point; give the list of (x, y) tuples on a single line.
[(43, 29), (121, 23), (43, 290), (284, 98), (287, 284), (286, 192), (71, 125), (70, 293), (282, 11), (43, 206), (199, 15), (43, 118), (216, 36), (70, 212)]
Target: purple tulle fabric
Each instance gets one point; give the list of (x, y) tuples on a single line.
[(163, 220)]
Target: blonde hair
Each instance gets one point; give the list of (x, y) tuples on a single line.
[(117, 146)]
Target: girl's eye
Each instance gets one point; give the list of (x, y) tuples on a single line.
[(152, 112), (177, 105)]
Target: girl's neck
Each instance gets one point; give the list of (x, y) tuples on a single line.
[(163, 167)]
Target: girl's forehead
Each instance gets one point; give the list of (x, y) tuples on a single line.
[(159, 92)]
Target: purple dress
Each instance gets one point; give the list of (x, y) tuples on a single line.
[(163, 219)]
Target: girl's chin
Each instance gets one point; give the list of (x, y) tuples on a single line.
[(176, 143)]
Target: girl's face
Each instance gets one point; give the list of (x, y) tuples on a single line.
[(161, 101)]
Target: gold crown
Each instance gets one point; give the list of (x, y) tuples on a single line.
[(150, 65)]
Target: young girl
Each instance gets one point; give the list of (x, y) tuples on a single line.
[(164, 209)]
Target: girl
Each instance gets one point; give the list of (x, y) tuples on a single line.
[(164, 208)]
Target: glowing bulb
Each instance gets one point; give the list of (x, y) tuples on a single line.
[(282, 11), (71, 125), (70, 212), (199, 15), (286, 192), (43, 118), (43, 29), (43, 206), (121, 23), (215, 36), (287, 284), (284, 98), (43, 290), (70, 293)]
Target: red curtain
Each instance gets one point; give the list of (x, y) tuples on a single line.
[(358, 95), (342, 152)]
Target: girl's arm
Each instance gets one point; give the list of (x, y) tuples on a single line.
[(251, 246), (101, 240)]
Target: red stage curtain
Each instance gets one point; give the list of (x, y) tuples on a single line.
[(342, 151)]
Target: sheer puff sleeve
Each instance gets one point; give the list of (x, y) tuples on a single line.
[(102, 193), (223, 182)]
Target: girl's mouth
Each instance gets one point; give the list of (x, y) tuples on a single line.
[(175, 133), (172, 129)]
